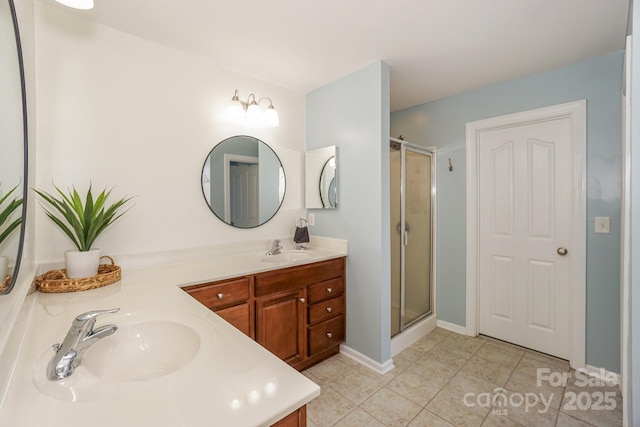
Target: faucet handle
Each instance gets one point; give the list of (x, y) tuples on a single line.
[(84, 317)]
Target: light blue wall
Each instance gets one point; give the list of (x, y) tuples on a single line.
[(353, 114), (442, 124)]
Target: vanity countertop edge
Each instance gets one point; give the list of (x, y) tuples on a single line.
[(232, 381)]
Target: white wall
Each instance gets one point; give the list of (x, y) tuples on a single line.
[(117, 110)]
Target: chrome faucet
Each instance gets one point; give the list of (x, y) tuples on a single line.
[(81, 336), (275, 248)]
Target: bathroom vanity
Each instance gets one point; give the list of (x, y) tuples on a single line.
[(223, 373), (297, 313)]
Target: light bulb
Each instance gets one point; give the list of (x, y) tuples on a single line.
[(271, 117), (254, 115), (235, 108)]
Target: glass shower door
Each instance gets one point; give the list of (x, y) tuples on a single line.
[(411, 239), (395, 174), (417, 244)]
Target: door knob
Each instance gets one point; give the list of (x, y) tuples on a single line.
[(562, 251)]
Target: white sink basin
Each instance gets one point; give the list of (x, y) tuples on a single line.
[(147, 347), (144, 350), (287, 257)]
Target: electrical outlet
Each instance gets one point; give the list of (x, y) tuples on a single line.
[(603, 224), (312, 219)]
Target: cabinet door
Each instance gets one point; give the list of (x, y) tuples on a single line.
[(238, 316), (280, 324)]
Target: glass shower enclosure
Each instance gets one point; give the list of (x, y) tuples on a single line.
[(412, 194)]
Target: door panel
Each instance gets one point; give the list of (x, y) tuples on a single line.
[(502, 289), (525, 200), (281, 325)]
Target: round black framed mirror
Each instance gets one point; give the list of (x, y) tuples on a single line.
[(243, 181), (13, 161)]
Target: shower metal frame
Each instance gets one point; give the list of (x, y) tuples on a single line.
[(428, 151)]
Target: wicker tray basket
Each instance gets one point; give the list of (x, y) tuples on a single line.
[(4, 284), (57, 280)]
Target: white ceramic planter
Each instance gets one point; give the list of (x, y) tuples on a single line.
[(4, 267), (82, 264)]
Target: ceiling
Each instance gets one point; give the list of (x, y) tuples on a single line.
[(436, 48)]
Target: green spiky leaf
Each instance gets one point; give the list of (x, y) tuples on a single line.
[(82, 221), (6, 212)]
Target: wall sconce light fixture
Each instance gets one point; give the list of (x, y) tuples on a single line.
[(77, 4), (251, 112)]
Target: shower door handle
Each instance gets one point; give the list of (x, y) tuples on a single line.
[(406, 237)]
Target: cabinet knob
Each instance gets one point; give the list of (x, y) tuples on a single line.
[(329, 309), (302, 300), (220, 295), (329, 290), (329, 334)]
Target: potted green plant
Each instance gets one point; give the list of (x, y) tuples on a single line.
[(83, 222), (7, 226)]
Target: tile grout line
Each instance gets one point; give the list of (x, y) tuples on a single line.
[(420, 354)]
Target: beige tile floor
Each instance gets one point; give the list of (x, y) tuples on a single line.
[(446, 379)]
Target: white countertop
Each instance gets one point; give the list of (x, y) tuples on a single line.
[(232, 380)]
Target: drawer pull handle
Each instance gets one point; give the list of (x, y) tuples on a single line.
[(329, 334), (220, 295), (302, 300), (329, 309), (329, 290)]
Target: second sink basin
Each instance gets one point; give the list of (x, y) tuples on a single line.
[(142, 350), (287, 257)]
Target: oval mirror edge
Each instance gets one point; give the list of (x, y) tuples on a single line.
[(25, 143), (315, 161)]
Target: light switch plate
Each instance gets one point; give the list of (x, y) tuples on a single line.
[(312, 219), (603, 224)]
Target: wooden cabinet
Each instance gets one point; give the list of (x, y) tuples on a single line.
[(298, 313), (230, 299), (280, 324), (320, 289), (326, 318)]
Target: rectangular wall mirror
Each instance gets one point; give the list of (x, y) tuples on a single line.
[(322, 178)]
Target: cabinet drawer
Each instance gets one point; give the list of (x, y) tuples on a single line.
[(238, 316), (326, 309), (221, 294), (297, 277), (326, 334), (325, 290)]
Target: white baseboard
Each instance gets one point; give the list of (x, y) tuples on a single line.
[(380, 368), (413, 334), (611, 378), (462, 330)]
